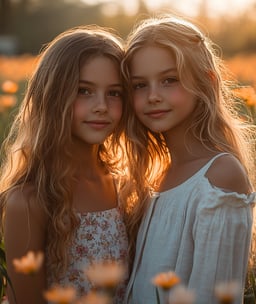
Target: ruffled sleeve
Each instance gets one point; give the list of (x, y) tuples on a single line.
[(222, 236)]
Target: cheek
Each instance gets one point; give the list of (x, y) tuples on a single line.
[(180, 97), (138, 103), (78, 107), (175, 94), (76, 110), (117, 110)]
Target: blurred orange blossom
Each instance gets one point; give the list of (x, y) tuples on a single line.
[(95, 298), (105, 273), (166, 280), (182, 295), (9, 86), (226, 292), (60, 295), (30, 263), (7, 101), (247, 93), (17, 68)]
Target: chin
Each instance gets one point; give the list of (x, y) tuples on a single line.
[(156, 130)]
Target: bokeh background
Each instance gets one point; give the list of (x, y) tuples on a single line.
[(27, 25)]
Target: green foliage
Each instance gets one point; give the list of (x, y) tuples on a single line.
[(243, 41), (3, 272), (250, 289), (4, 278)]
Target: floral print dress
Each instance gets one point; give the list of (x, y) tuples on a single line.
[(100, 236)]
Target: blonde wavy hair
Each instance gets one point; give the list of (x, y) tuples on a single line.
[(216, 121), (38, 149)]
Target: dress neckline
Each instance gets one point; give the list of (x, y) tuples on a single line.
[(201, 171), (97, 212)]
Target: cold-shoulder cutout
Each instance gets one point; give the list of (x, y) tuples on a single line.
[(207, 224), (227, 173)]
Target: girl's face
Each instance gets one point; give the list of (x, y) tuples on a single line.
[(160, 101), (98, 106)]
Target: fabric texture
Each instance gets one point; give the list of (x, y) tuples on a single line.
[(197, 230), (101, 236)]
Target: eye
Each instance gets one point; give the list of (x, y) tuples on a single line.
[(115, 93), (84, 91), (137, 86), (170, 80)]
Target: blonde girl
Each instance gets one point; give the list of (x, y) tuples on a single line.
[(61, 163), (191, 163)]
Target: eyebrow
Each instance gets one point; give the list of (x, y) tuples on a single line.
[(92, 83), (160, 73)]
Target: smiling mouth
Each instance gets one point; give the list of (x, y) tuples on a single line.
[(97, 124), (157, 114)]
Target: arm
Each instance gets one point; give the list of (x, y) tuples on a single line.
[(221, 247), (23, 231), (222, 229)]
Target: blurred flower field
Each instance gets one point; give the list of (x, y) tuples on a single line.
[(15, 72), (243, 68), (105, 276)]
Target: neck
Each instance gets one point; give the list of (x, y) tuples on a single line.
[(183, 149), (86, 161)]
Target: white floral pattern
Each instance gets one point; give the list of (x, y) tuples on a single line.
[(101, 236)]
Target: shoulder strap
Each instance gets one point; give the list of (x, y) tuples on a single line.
[(204, 169)]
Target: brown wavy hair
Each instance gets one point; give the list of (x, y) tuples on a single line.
[(38, 148)]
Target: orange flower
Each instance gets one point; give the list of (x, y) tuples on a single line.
[(29, 263), (181, 295), (226, 292), (105, 274), (166, 280), (10, 87), (7, 101), (17, 68), (95, 298), (60, 295), (248, 94)]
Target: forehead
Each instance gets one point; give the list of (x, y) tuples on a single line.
[(97, 68), (98, 60), (152, 59)]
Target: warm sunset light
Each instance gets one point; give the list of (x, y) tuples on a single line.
[(187, 7), (116, 175), (191, 7)]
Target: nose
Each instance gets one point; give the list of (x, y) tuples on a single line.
[(100, 103), (154, 94)]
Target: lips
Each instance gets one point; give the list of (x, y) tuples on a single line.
[(157, 113), (97, 124)]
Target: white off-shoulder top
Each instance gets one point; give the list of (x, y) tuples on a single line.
[(197, 230)]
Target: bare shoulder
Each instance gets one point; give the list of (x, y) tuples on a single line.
[(24, 230), (24, 222), (23, 200), (17, 199), (227, 173)]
